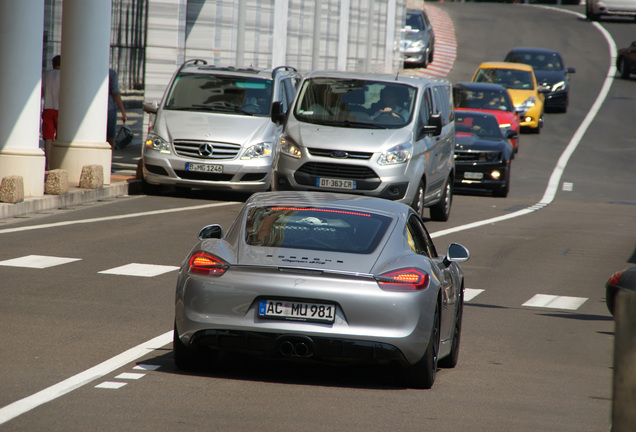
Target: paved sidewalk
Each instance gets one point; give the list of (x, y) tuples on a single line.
[(123, 179)]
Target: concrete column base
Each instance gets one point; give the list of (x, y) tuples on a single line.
[(73, 156), (26, 163)]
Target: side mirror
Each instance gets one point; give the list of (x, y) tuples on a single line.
[(511, 134), (277, 114), (434, 127), (150, 107), (571, 70), (544, 89), (456, 253), (210, 232)]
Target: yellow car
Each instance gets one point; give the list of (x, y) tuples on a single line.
[(527, 96)]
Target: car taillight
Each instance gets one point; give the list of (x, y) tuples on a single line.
[(206, 264), (613, 280), (405, 279)]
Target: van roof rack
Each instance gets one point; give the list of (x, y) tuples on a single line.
[(287, 68), (192, 62)]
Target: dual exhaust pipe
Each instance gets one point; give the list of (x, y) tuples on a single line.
[(296, 347)]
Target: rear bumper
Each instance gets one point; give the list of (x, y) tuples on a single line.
[(292, 346)]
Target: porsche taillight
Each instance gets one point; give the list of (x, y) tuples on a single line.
[(207, 264), (408, 279)]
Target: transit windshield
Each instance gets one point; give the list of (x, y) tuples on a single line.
[(355, 103)]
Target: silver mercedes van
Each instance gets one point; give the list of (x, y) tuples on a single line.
[(380, 135), (213, 128)]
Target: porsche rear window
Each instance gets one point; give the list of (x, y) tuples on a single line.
[(321, 229)]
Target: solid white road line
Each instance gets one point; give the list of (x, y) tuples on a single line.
[(55, 391), (110, 218)]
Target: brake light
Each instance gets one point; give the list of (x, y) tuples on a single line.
[(613, 280), (405, 279), (206, 264)]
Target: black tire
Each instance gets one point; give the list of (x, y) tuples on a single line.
[(622, 67), (451, 360), (418, 201), (190, 359), (149, 188), (503, 192), (589, 14), (421, 375), (440, 212)]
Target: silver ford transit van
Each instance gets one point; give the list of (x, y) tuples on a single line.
[(372, 134), (213, 128)]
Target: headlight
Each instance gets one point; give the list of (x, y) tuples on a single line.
[(259, 150), (401, 153), (155, 142), (418, 44), (528, 103), (490, 156), (558, 86), (289, 147)]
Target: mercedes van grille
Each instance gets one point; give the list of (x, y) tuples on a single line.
[(338, 171), (206, 149)]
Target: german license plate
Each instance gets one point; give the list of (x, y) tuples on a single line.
[(473, 175), (335, 183), (297, 311), (204, 167)]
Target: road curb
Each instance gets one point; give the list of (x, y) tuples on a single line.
[(75, 196)]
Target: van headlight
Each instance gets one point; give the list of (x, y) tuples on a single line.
[(288, 146), (398, 154), (259, 150), (155, 142)]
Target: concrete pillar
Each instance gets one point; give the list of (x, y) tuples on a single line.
[(624, 389), (21, 32), (316, 39), (281, 12), (343, 34), (81, 137), (391, 37)]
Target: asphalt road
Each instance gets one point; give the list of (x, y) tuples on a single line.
[(524, 365)]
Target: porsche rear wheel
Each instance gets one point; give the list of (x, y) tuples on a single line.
[(191, 358), (422, 374), (451, 360)]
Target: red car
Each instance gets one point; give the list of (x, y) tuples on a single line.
[(489, 98)]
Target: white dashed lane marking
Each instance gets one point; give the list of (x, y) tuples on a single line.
[(470, 293), (142, 270), (555, 302), (539, 300), (111, 385), (37, 261), (129, 376)]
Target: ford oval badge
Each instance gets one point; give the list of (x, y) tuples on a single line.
[(339, 154)]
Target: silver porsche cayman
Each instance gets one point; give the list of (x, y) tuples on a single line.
[(322, 276)]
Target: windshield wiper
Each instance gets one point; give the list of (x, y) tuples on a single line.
[(348, 124), (213, 108)]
